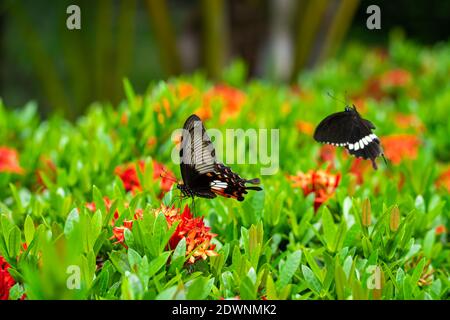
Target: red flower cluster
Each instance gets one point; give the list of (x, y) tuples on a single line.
[(305, 127), (444, 180), (129, 175), (119, 232), (395, 78), (9, 161), (47, 167), (197, 235), (6, 281), (398, 147), (381, 86), (321, 182), (407, 121), (440, 229), (231, 98)]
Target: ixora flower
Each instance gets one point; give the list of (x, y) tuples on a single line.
[(407, 121), (6, 281), (129, 175), (395, 78), (305, 127), (231, 98), (197, 234), (9, 161), (398, 147), (443, 181), (321, 182), (45, 167)]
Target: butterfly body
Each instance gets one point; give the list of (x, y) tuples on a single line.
[(348, 129), (202, 175)]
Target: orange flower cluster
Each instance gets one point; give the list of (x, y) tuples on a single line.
[(231, 98), (129, 176), (443, 181), (440, 229), (398, 147), (380, 86), (9, 161), (359, 168), (305, 127), (321, 182), (6, 281), (407, 121), (395, 78), (327, 153), (46, 167), (197, 235)]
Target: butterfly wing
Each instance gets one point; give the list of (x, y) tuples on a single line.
[(228, 184), (348, 129), (197, 156), (335, 129), (363, 143)]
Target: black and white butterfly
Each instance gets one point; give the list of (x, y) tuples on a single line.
[(202, 175), (348, 129)]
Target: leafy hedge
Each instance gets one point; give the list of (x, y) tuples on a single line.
[(92, 198)]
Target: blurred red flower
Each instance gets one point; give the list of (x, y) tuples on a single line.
[(440, 229), (92, 207), (129, 175), (183, 90), (359, 168), (197, 235), (327, 153), (398, 147), (408, 121), (6, 281), (395, 78), (321, 182), (444, 180), (119, 232), (305, 127), (379, 87), (9, 161), (46, 167), (231, 98)]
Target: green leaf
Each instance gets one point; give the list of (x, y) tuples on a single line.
[(14, 242), (157, 263), (28, 229), (199, 289), (271, 291), (73, 218), (134, 259), (247, 289), (340, 280), (288, 269), (311, 279), (428, 242), (329, 229)]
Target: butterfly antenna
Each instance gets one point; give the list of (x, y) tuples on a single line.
[(166, 175), (334, 98), (385, 160)]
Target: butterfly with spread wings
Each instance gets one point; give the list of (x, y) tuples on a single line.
[(348, 129), (202, 175)]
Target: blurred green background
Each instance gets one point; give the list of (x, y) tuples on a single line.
[(150, 40)]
